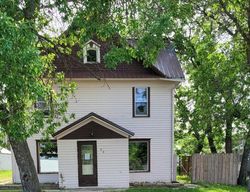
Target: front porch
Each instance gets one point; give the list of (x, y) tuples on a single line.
[(93, 151)]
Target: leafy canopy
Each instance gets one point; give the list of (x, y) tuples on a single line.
[(27, 76)]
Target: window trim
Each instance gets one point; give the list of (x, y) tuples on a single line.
[(38, 157), (91, 45), (148, 154), (134, 102)]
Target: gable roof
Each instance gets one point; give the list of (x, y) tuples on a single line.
[(166, 66), (92, 42), (90, 118)]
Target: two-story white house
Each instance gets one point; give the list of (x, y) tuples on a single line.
[(124, 126)]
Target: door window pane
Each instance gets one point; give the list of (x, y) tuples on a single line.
[(87, 160)]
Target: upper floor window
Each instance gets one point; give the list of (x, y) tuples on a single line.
[(141, 102), (91, 55), (91, 52), (43, 106)]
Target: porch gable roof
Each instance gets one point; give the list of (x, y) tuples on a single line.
[(97, 119)]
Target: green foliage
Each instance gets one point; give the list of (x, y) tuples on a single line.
[(151, 24), (27, 76), (185, 179), (217, 92), (138, 156)]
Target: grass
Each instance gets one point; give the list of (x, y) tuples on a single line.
[(183, 179), (5, 177), (200, 188)]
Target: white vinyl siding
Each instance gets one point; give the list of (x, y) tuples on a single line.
[(112, 163), (112, 99), (68, 163), (112, 160)]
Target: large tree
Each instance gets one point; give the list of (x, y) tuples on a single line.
[(217, 67), (231, 23), (27, 76)]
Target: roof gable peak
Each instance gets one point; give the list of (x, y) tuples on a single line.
[(91, 42), (92, 117)]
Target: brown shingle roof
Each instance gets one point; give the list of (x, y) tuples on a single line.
[(166, 66)]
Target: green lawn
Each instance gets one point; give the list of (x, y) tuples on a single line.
[(200, 188), (5, 177), (183, 179)]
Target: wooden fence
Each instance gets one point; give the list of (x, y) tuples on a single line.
[(216, 168)]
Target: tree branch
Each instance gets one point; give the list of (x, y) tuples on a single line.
[(30, 8), (234, 19), (60, 53), (222, 25)]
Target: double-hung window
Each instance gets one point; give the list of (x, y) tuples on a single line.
[(141, 102)]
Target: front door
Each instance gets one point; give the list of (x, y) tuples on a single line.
[(87, 163)]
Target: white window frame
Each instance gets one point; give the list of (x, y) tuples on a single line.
[(88, 47), (147, 91)]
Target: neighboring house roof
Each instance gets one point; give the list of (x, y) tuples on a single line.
[(90, 118), (166, 66), (5, 151)]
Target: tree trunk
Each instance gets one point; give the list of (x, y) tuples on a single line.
[(200, 141), (210, 138), (228, 138), (199, 147), (26, 166), (244, 161), (248, 53)]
